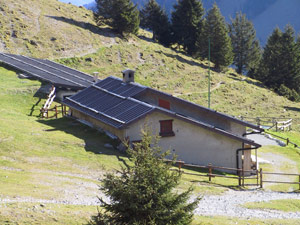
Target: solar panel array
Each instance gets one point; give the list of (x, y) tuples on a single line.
[(108, 106), (57, 74), (117, 86)]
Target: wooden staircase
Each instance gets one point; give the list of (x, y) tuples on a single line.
[(50, 99)]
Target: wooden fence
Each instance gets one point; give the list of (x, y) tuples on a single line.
[(283, 124), (286, 140), (241, 175), (278, 182)]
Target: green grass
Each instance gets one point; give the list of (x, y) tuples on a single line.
[(285, 205), (223, 220), (48, 214)]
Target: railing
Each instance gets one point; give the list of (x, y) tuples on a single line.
[(56, 109), (48, 103), (287, 140), (270, 122), (277, 182), (241, 175)]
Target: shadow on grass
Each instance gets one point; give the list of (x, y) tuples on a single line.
[(292, 108), (146, 38), (107, 32), (183, 60), (94, 140)]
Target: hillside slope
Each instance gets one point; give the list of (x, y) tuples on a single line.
[(159, 67), (48, 28)]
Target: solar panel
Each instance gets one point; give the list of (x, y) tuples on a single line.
[(46, 70)]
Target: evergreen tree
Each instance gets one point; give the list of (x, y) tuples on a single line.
[(216, 30), (156, 19), (104, 8), (246, 48), (280, 62), (142, 192), (270, 62), (186, 22), (123, 14)]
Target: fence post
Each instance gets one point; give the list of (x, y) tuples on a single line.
[(261, 178), (240, 179), (62, 109), (258, 121), (287, 141), (209, 172), (56, 111), (243, 176), (276, 126), (257, 177), (180, 164), (299, 182)]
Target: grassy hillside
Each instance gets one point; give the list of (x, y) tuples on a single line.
[(48, 28), (49, 169), (51, 29)]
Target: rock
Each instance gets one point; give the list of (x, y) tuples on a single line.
[(107, 145), (53, 39), (89, 59), (32, 42)]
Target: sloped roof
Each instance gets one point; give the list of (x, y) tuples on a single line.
[(108, 107), (46, 70), (111, 102)]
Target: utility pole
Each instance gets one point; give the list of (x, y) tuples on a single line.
[(209, 73)]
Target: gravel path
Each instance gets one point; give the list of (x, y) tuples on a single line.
[(230, 203), (263, 140)]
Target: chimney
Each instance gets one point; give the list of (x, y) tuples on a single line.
[(128, 75), (95, 76)]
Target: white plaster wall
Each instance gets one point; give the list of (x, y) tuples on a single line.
[(192, 144), (198, 114)]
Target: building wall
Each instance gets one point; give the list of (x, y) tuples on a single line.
[(198, 114), (192, 144), (118, 132)]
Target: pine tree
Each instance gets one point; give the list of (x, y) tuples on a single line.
[(186, 22), (156, 19), (104, 8), (123, 14), (142, 193), (246, 48), (280, 62), (270, 61), (216, 30)]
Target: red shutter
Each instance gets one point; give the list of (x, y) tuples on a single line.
[(164, 104), (166, 128)]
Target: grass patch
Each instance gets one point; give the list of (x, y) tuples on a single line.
[(48, 214), (223, 220), (285, 205)]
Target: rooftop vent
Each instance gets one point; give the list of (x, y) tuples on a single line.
[(128, 75), (95, 76)]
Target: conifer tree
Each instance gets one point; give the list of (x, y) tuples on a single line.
[(142, 192), (104, 8), (216, 30), (156, 19), (280, 62), (123, 14), (246, 48), (187, 20)]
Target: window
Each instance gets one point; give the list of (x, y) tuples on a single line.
[(164, 104), (166, 128)]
